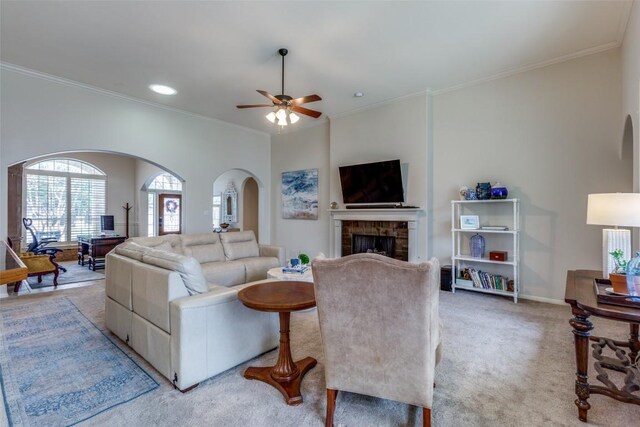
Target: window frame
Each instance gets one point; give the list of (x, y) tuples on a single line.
[(68, 228)]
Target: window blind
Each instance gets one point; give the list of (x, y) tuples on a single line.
[(88, 197), (47, 205)]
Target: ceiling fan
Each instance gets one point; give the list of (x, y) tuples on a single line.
[(286, 106)]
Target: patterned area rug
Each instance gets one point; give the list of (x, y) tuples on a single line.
[(75, 273), (57, 368)]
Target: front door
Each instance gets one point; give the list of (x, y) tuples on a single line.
[(169, 214)]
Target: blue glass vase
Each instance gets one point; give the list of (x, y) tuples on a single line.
[(499, 191), (483, 191), (476, 246)]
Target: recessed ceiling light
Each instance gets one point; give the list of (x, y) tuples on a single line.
[(163, 90), (358, 94)]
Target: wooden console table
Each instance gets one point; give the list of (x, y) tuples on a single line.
[(12, 269), (580, 294), (95, 248)]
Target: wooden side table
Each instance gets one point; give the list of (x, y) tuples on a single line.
[(282, 297), (580, 294)]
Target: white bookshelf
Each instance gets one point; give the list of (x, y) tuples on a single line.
[(507, 212)]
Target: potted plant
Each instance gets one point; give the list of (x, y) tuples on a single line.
[(304, 259), (618, 276)]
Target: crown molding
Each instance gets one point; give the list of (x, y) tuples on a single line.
[(5, 66), (625, 16), (543, 64), (378, 104)]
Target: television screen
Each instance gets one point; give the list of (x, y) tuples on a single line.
[(107, 223), (374, 183)]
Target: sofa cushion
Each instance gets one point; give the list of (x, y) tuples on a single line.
[(188, 267), (174, 240), (224, 273), (256, 267), (131, 250), (239, 245), (164, 246), (204, 247)]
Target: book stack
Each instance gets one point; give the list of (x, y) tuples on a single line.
[(484, 280), (297, 269)]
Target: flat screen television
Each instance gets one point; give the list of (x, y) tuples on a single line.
[(107, 225), (372, 183)]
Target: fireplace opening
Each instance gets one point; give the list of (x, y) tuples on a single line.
[(382, 245)]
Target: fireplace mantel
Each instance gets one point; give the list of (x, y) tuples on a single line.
[(408, 215)]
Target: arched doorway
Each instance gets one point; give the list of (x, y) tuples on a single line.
[(164, 204), (250, 200)]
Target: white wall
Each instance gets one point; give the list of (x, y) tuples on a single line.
[(397, 130), (120, 172), (43, 116), (631, 84), (304, 149), (552, 136)]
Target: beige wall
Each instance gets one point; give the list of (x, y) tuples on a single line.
[(304, 149), (631, 86), (397, 130), (552, 136)]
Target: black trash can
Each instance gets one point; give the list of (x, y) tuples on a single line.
[(445, 278)]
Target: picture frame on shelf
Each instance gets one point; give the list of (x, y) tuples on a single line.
[(469, 222)]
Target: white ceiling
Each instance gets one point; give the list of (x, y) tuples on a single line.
[(216, 54)]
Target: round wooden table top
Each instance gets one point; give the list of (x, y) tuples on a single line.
[(279, 296)]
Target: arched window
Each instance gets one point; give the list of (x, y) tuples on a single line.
[(164, 205), (65, 197)]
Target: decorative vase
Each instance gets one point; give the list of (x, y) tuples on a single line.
[(476, 246), (471, 195), (483, 191), (464, 191), (499, 191)]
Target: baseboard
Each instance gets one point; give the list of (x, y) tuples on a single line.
[(542, 299)]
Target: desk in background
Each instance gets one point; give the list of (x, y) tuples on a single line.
[(95, 248)]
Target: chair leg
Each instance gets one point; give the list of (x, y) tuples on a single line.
[(426, 417), (331, 406)]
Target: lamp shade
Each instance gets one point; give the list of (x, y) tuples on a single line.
[(618, 209)]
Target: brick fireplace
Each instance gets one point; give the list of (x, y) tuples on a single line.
[(392, 231)]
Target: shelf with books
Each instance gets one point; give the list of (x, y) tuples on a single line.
[(502, 218)]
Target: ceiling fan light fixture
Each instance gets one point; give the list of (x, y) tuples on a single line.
[(282, 122), (293, 117), (271, 117), (281, 114)]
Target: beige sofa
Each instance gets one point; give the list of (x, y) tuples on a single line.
[(173, 299)]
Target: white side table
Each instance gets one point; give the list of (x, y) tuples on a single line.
[(276, 273)]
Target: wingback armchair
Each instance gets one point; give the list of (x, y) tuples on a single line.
[(380, 328)]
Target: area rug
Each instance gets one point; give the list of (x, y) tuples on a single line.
[(57, 368), (75, 273)]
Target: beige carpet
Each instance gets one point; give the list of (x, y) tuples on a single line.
[(504, 364)]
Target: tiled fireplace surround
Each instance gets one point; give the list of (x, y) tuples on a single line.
[(400, 224)]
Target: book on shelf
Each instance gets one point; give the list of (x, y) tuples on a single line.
[(484, 280), (494, 227), (299, 270)]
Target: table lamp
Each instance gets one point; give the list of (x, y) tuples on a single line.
[(618, 210)]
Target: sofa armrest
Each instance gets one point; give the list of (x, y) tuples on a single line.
[(273, 251), (216, 295)]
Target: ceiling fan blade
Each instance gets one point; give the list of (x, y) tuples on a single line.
[(306, 111), (271, 97), (305, 99), (254, 105)]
